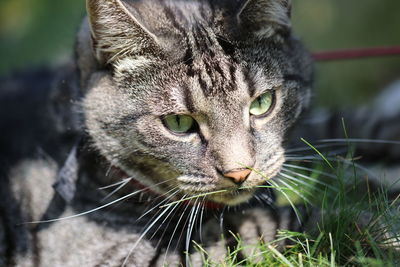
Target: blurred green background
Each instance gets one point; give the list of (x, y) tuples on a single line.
[(41, 32)]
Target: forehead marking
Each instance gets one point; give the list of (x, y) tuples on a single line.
[(206, 59)]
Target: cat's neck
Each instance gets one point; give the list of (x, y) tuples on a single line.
[(102, 175)]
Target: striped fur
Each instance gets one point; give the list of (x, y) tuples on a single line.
[(138, 61)]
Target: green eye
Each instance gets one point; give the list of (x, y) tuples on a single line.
[(179, 123), (261, 105)]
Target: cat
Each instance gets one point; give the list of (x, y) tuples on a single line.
[(183, 107)]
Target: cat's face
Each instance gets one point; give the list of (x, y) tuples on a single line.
[(193, 96)]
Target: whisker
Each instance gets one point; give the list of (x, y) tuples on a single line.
[(115, 184), (301, 158), (348, 162), (176, 228), (305, 177), (297, 183), (189, 231), (310, 169), (264, 201), (277, 187), (194, 197), (360, 140), (186, 223), (143, 234), (165, 194), (109, 169), (159, 204), (294, 190), (173, 210), (288, 199), (351, 163), (167, 226), (95, 209), (126, 181), (201, 219), (221, 219), (307, 148)]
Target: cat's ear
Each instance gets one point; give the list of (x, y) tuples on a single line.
[(265, 18), (117, 32)]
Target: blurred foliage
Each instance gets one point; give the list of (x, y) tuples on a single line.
[(338, 24), (40, 32), (37, 32)]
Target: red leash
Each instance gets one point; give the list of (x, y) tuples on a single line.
[(356, 53)]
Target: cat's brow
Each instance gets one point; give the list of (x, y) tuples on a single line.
[(270, 84)]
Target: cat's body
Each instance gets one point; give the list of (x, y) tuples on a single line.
[(105, 237), (31, 165), (231, 70)]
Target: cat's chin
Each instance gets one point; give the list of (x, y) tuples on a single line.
[(233, 198), (225, 197)]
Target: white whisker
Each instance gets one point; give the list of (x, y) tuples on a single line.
[(287, 198), (171, 216), (305, 177), (125, 182), (115, 184), (294, 190), (95, 209), (307, 148), (173, 210), (143, 234), (201, 219), (309, 169), (159, 204), (189, 231), (176, 228), (359, 140)]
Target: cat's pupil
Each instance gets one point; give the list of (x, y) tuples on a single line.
[(179, 123), (259, 101)]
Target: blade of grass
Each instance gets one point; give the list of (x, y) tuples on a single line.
[(318, 152)]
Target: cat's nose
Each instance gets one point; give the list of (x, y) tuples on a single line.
[(238, 176)]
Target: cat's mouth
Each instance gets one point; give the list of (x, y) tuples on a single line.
[(232, 197), (210, 191), (217, 201), (225, 195), (223, 191)]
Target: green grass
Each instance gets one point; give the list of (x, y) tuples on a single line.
[(356, 225)]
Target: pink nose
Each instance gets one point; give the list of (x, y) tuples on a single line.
[(238, 177)]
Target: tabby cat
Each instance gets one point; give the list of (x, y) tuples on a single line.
[(179, 111)]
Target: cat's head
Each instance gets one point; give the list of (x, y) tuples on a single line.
[(197, 93)]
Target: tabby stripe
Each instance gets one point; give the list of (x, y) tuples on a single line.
[(188, 99), (203, 84), (197, 43), (219, 70), (251, 87), (232, 71), (189, 58), (172, 17)]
